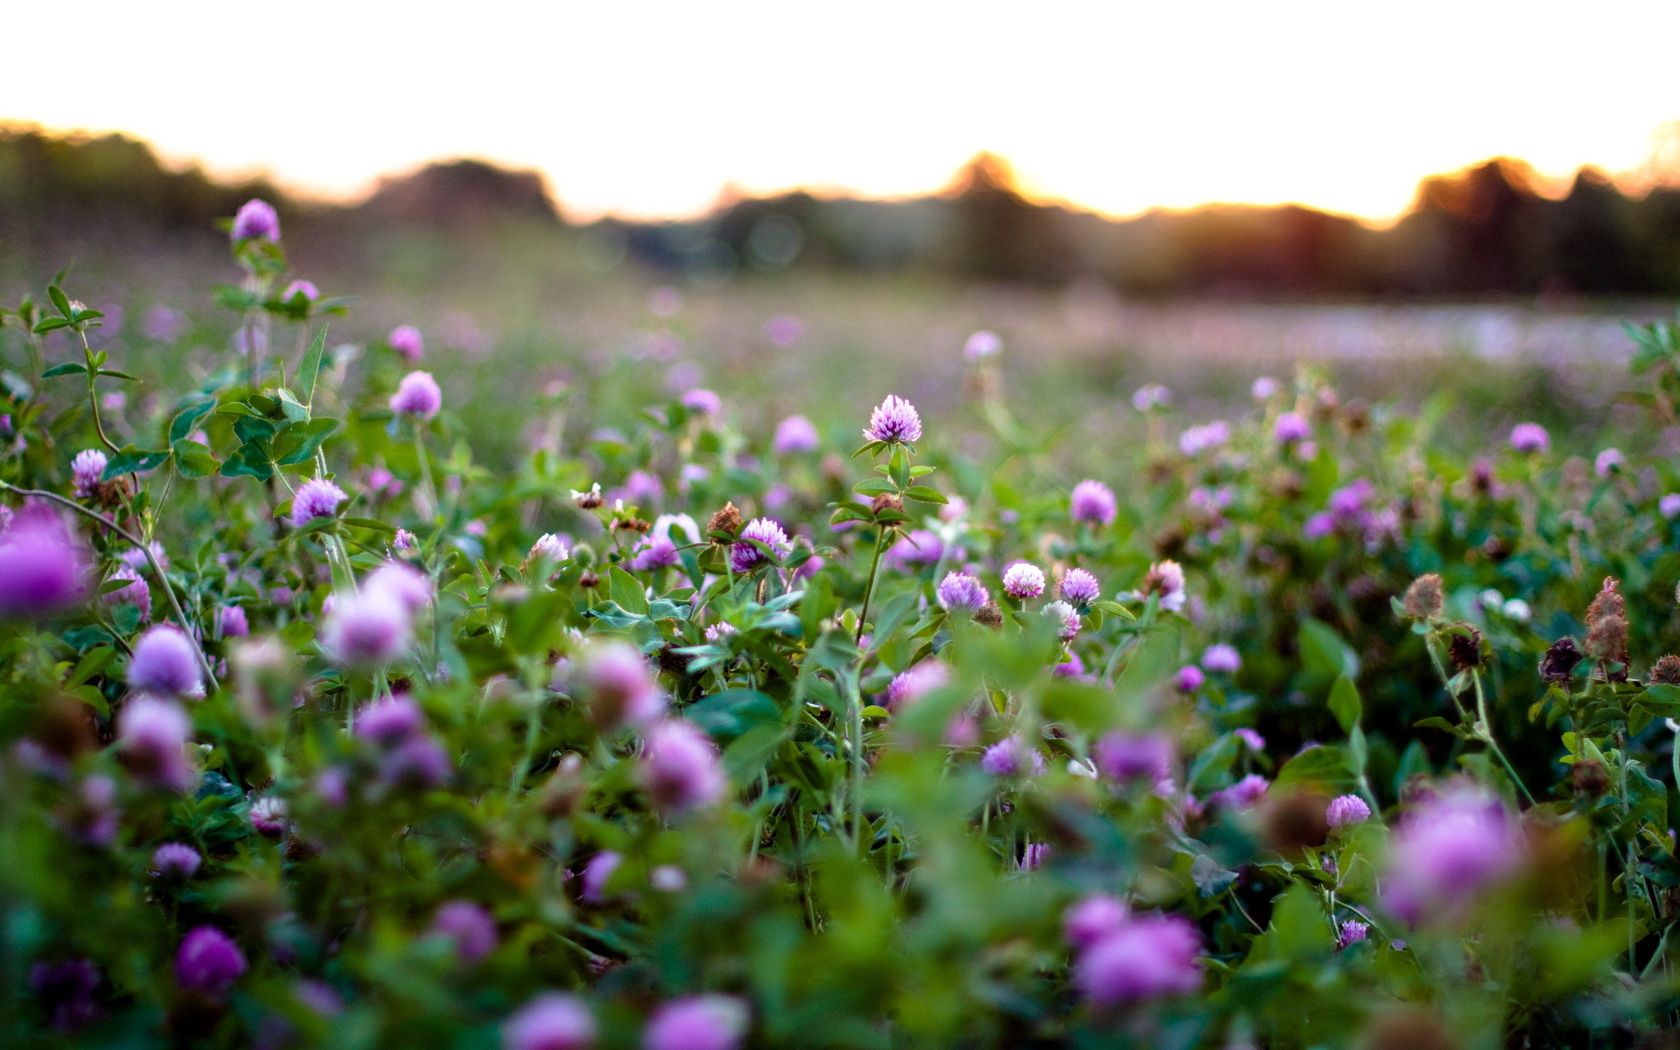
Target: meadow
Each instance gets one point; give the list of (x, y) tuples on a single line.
[(536, 658)]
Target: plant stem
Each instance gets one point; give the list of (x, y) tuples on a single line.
[(869, 588), (93, 394), (1485, 733), (151, 560)]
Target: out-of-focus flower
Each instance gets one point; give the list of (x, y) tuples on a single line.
[(65, 991), (1092, 502), (915, 550), (471, 928), (593, 882), (553, 1021), (1221, 658), (1023, 580), (268, 816), (1351, 932), (1146, 957), (1290, 428), (794, 435), (894, 420), (702, 402), (680, 767), (1092, 919), (550, 547), (1669, 505), (1125, 757), (165, 663), (1189, 678), (418, 396), (208, 962), (405, 339), (1151, 396), (982, 345), (42, 569), (1166, 580), (1608, 462), (231, 622), (175, 860), (151, 742), (1263, 388), (1530, 437), (256, 219), (1198, 439), (1012, 756), (1446, 851), (300, 288), (367, 628), (916, 682), (410, 587), (618, 686), (701, 1022), (136, 593), (1243, 794)]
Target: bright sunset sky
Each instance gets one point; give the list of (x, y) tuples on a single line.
[(647, 108)]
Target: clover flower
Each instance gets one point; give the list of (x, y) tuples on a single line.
[(42, 569), (231, 622), (1291, 428), (367, 628), (702, 402), (208, 962), (1010, 757), (1092, 502), (701, 1022), (552, 1021), (1346, 809), (618, 686), (1221, 658), (418, 396), (151, 742), (165, 663), (315, 498), (794, 435), (982, 345), (744, 556), (960, 592), (1166, 580), (87, 471), (175, 860), (1066, 619), (135, 593), (256, 219), (469, 925), (1146, 957), (680, 767), (1530, 437), (405, 339), (894, 421), (1023, 580), (915, 682), (1448, 850), (1093, 918), (1124, 757), (1080, 587)]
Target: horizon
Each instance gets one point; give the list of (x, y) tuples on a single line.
[(890, 107)]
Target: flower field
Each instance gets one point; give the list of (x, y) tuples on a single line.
[(340, 709)]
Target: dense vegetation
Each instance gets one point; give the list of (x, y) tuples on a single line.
[(687, 727)]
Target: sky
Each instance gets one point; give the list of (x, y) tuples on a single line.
[(648, 109)]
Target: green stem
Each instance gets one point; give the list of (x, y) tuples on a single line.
[(869, 588), (1485, 733), (93, 394)]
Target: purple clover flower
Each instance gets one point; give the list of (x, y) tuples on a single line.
[(405, 339), (1010, 757), (470, 926), (1092, 919), (700, 1022), (1023, 580), (916, 682), (1189, 679), (42, 569), (553, 1021), (592, 884), (1530, 437), (960, 592), (1446, 851), (1147, 957), (65, 990), (894, 421), (1092, 502), (680, 767), (1066, 619), (175, 860), (1346, 809), (367, 628), (1080, 587), (208, 962), (152, 739), (1221, 658), (1351, 932), (165, 662), (982, 345), (136, 593), (86, 472), (1290, 428), (914, 550), (702, 402), (418, 396), (256, 219), (315, 498), (303, 288), (619, 686), (744, 556), (231, 622), (794, 435), (1125, 757)]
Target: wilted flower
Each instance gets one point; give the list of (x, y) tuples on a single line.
[(1023, 580), (467, 924), (315, 498), (680, 767), (1446, 851), (894, 420), (1146, 957), (744, 556), (208, 962), (553, 1021), (165, 662), (1080, 587), (406, 341), (86, 472), (256, 219), (960, 592), (1092, 502), (1424, 597), (418, 396), (1346, 809), (1530, 437)]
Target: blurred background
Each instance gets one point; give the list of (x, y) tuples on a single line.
[(1407, 195)]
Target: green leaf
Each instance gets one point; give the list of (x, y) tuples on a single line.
[(924, 494), (254, 429), (193, 459), (730, 713), (291, 407), (248, 460), (188, 419), (50, 324), (1323, 652), (1344, 703), (627, 591), (300, 441), (60, 301), (114, 374), (131, 460), (72, 368), (310, 368)]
